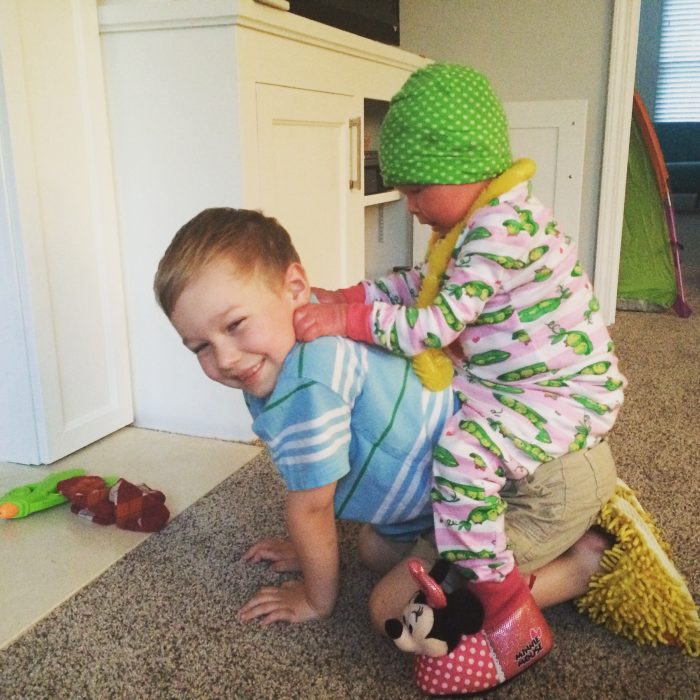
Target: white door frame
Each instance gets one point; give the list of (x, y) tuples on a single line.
[(623, 60)]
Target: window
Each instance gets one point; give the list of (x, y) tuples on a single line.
[(678, 87)]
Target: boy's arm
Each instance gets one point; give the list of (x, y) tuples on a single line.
[(311, 523), (312, 529)]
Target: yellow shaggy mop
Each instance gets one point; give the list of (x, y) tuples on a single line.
[(640, 594)]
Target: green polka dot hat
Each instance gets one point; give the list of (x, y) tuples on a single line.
[(445, 126)]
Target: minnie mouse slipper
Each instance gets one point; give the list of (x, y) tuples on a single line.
[(455, 654)]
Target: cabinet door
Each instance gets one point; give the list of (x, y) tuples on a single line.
[(308, 155)]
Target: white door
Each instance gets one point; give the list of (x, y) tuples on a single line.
[(65, 377), (308, 155)]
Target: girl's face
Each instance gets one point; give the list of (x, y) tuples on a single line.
[(441, 206), (240, 326)]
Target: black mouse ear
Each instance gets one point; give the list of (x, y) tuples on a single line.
[(393, 628), (439, 570), (466, 607)]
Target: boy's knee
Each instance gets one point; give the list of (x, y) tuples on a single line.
[(377, 609), (391, 595), (365, 546), (386, 602), (378, 553)]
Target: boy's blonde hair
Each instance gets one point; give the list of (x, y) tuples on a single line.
[(248, 239)]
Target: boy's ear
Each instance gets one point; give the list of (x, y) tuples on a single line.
[(296, 284)]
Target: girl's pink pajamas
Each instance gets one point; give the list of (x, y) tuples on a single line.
[(534, 366)]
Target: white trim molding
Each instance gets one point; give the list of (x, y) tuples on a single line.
[(623, 60)]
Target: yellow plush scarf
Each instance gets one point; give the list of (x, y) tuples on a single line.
[(432, 366)]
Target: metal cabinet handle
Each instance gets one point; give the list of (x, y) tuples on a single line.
[(355, 125)]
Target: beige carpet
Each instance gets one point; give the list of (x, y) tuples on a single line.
[(161, 623)]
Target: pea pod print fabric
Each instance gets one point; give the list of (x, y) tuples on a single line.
[(534, 366)]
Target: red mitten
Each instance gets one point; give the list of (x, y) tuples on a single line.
[(348, 320), (328, 296), (138, 508), (354, 294), (358, 322), (349, 295), (89, 498)]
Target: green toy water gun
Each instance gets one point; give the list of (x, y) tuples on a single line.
[(31, 498)]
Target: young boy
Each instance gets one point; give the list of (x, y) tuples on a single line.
[(350, 428)]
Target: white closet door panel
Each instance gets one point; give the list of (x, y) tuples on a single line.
[(553, 134)]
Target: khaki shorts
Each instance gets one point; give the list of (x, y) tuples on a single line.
[(551, 510)]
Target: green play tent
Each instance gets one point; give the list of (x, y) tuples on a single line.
[(649, 277)]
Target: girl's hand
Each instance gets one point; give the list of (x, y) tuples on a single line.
[(281, 554), (348, 295), (326, 296), (286, 603), (314, 320)]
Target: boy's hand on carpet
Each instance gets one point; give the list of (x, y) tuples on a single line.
[(286, 603), (280, 553)]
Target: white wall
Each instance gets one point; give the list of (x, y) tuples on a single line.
[(153, 142), (531, 50)]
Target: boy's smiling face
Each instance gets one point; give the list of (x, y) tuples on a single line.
[(240, 325)]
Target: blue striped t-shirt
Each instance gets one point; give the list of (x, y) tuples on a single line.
[(346, 412)]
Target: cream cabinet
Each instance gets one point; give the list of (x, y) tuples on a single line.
[(237, 103), (310, 180)]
